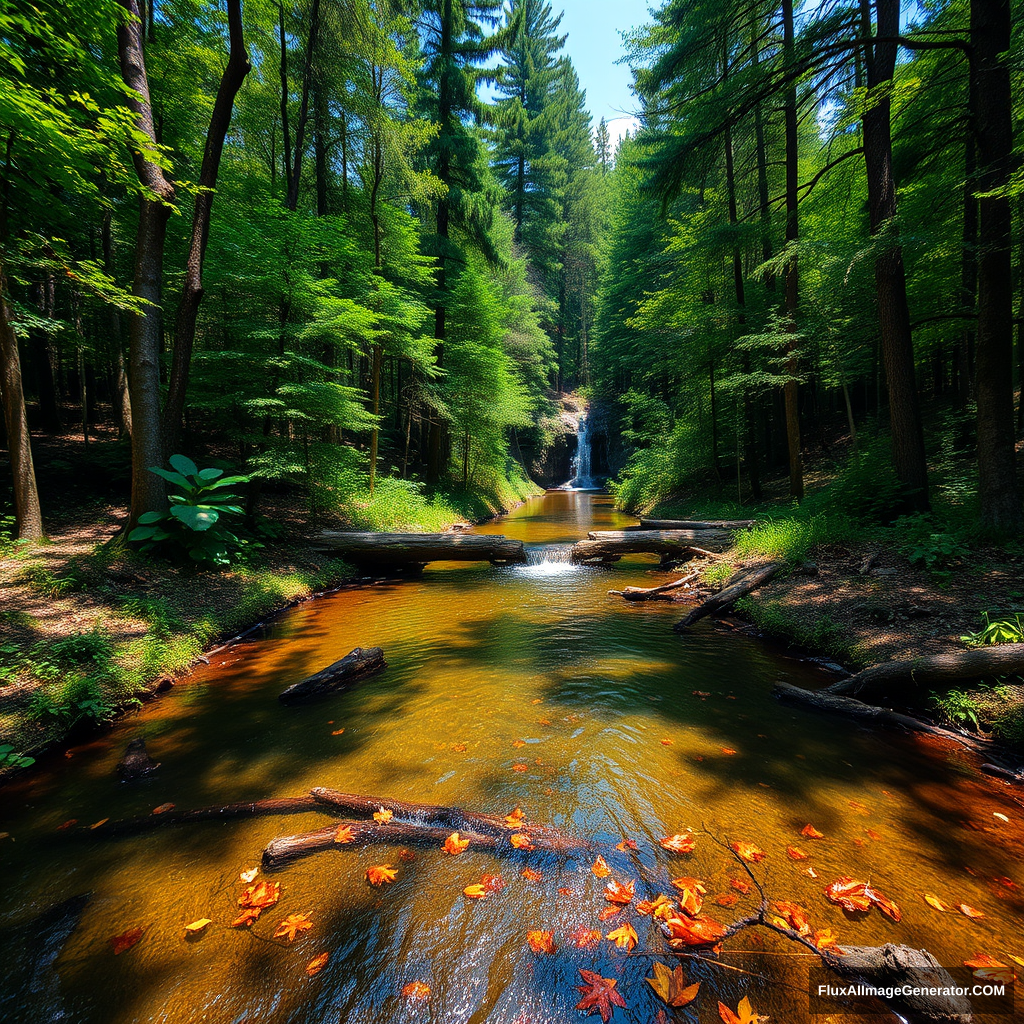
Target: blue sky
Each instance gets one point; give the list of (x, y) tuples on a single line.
[(594, 45)]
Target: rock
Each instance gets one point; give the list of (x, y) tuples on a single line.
[(136, 761)]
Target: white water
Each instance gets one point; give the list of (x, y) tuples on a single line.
[(581, 478)]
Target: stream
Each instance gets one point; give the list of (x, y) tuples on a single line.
[(523, 686)]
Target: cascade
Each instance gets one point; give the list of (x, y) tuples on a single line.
[(581, 478)]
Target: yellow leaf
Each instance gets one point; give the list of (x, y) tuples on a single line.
[(382, 816), (541, 942), (454, 845), (290, 927), (345, 834), (476, 892), (671, 987), (317, 964), (380, 874), (198, 926), (624, 936), (521, 841), (987, 968), (248, 875)]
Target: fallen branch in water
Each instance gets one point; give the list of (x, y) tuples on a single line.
[(662, 593), (222, 812), (738, 585)]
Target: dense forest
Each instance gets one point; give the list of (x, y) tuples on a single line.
[(358, 249)]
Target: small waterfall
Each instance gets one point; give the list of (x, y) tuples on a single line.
[(581, 478), (548, 560)]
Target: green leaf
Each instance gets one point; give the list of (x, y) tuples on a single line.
[(151, 517), (174, 478), (229, 481), (194, 518), (183, 464), (142, 533), (210, 474)]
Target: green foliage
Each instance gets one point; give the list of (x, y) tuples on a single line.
[(959, 707), (998, 631), (792, 539), (820, 634), (925, 545), (192, 525), (10, 758)]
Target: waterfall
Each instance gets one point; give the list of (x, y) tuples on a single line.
[(581, 478)]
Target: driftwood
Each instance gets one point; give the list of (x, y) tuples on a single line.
[(222, 812), (449, 818), (420, 548), (825, 700), (610, 545), (136, 761), (695, 524), (666, 592), (738, 585), (891, 967), (358, 664), (881, 680)]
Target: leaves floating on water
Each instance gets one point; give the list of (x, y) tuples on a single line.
[(248, 875), (748, 852), (600, 867), (934, 901), (317, 964), (454, 845), (163, 808), (382, 816), (260, 896), (794, 916), (740, 885), (624, 936), (744, 1013), (811, 832), (492, 883), (520, 767), (987, 968), (475, 892), (521, 841), (826, 939), (599, 995), (794, 853), (125, 941), (247, 917), (697, 931), (292, 925), (530, 875), (345, 834), (617, 893), (626, 844), (691, 892), (884, 904), (671, 985), (514, 818), (849, 894), (970, 912), (541, 942), (416, 990), (198, 927), (585, 937), (679, 843), (381, 874)]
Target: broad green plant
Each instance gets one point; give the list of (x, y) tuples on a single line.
[(192, 526), (1001, 631)]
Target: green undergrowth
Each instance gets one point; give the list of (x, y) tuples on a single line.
[(820, 634)]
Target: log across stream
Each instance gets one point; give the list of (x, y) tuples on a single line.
[(506, 687)]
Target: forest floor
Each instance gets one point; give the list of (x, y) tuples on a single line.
[(88, 627)]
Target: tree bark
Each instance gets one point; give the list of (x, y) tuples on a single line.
[(295, 172), (121, 400), (356, 665), (144, 327), (738, 585), (419, 548), (890, 279), (1001, 510), (611, 545), (237, 68)]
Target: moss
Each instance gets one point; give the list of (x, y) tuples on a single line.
[(821, 633)]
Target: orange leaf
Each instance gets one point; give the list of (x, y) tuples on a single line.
[(645, 907), (530, 875), (584, 937), (514, 818), (609, 912), (884, 904), (671, 987), (163, 808), (826, 939), (69, 824), (454, 845), (690, 892), (344, 834), (748, 852), (740, 885), (600, 867), (475, 892), (126, 940), (728, 751), (260, 896), (290, 927), (987, 968), (521, 841), (666, 743), (382, 816), (564, 891), (520, 767), (727, 899), (519, 743), (317, 964), (616, 893), (848, 894), (679, 843), (541, 942), (247, 917), (381, 874), (744, 1013), (626, 844), (492, 883), (697, 931), (624, 936), (969, 911), (811, 832), (337, 732), (102, 821), (872, 834), (794, 915), (416, 990), (934, 901), (406, 856), (795, 854), (599, 995)]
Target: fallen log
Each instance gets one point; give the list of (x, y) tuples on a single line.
[(956, 667), (738, 585), (222, 812), (606, 545), (694, 524), (449, 818), (356, 665), (663, 593), (825, 700), (420, 548)]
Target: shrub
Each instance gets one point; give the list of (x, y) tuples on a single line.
[(1002, 631)]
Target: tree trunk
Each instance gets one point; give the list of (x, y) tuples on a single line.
[(192, 290), (997, 472), (968, 276), (377, 358), (121, 399), (144, 327), (890, 280), (295, 174)]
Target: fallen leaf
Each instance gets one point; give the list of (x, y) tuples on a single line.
[(290, 927), (599, 995), (794, 915), (337, 732), (459, 748), (416, 990), (728, 751), (585, 937), (454, 845), (727, 899), (163, 808), (666, 743), (514, 818), (861, 808), (696, 931), (260, 896), (795, 854), (827, 939), (624, 936), (530, 875), (317, 964), (691, 891), (126, 940), (543, 721), (196, 927), (969, 912), (616, 893), (381, 874), (671, 987), (537, 700), (884, 904), (740, 885), (848, 894), (70, 823), (492, 883), (600, 867), (748, 852), (345, 834), (609, 912), (680, 843), (475, 892), (521, 841), (519, 743), (811, 872), (382, 816), (987, 968), (872, 834), (541, 942), (811, 832), (520, 767), (934, 901), (248, 875), (565, 891), (744, 1013), (247, 917), (626, 844), (645, 907), (406, 856), (102, 821)]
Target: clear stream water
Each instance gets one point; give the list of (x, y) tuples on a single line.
[(626, 729)]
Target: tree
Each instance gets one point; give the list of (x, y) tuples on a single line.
[(603, 145)]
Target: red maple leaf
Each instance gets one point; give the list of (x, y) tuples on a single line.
[(599, 995)]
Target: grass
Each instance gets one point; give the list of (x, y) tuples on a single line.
[(822, 634)]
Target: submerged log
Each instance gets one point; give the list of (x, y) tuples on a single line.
[(694, 524), (420, 548), (738, 585), (136, 761), (825, 700), (221, 812), (880, 681), (357, 664), (666, 592), (607, 545)]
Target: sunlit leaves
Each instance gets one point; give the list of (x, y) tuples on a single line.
[(744, 1013), (849, 894), (541, 941), (615, 892), (934, 901), (416, 990), (671, 985), (600, 868), (454, 845), (197, 927), (987, 968), (680, 843), (260, 896), (476, 892), (292, 926), (624, 936), (599, 995), (381, 874), (747, 851), (521, 841), (345, 834), (811, 832), (382, 816)]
